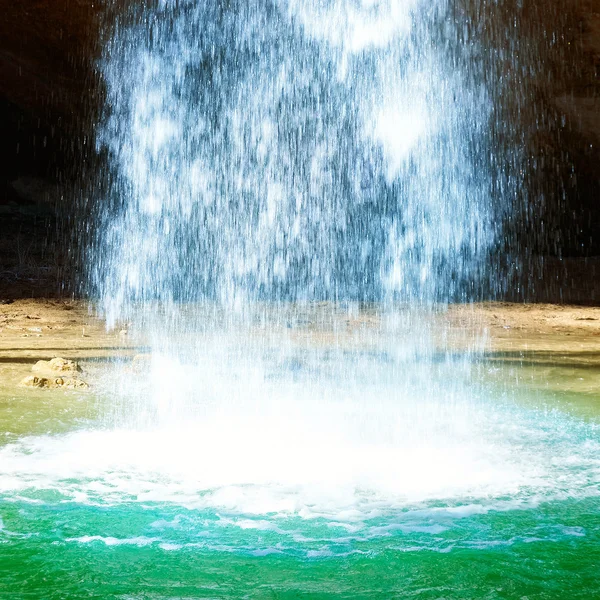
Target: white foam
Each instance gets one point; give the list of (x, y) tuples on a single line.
[(170, 547), (139, 541), (260, 465), (347, 447)]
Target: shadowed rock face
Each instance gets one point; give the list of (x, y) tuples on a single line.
[(45, 51), (50, 93), (48, 97), (584, 102), (565, 119), (49, 89)]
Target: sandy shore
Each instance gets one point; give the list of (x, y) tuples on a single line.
[(39, 329), (537, 346), (36, 329)]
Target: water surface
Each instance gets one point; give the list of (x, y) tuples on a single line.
[(276, 477)]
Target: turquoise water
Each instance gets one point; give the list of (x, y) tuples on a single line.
[(471, 486), (153, 550)]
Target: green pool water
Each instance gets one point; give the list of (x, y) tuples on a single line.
[(160, 551), (465, 482)]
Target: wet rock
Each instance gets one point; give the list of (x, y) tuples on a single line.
[(54, 382), (33, 381), (55, 373), (56, 365), (69, 383)]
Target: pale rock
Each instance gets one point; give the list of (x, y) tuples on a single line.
[(33, 381), (56, 365), (54, 382)]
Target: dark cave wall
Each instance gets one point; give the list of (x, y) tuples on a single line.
[(49, 94), (544, 63), (564, 123), (48, 83)]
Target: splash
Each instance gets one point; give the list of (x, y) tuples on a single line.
[(263, 156)]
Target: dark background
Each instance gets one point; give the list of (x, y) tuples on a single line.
[(546, 54)]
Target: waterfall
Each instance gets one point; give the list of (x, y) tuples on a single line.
[(292, 151)]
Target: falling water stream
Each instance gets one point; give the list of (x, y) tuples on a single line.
[(291, 151), (294, 190)]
